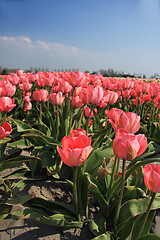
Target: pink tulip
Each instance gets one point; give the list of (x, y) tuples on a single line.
[(87, 112), (26, 86), (5, 130), (77, 132), (76, 79), (127, 145), (57, 98), (77, 102), (8, 89), (27, 106), (19, 72), (6, 104), (92, 95), (152, 177), (129, 121), (75, 150), (41, 95), (111, 97), (153, 91)]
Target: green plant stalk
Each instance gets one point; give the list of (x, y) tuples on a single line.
[(40, 111), (51, 119), (121, 193), (75, 194), (146, 216), (4, 117), (71, 111), (57, 123), (89, 119), (112, 174), (81, 116)]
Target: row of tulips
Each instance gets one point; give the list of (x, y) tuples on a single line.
[(86, 122)]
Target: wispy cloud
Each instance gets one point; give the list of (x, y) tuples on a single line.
[(21, 51)]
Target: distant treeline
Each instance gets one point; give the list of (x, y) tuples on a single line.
[(107, 73)]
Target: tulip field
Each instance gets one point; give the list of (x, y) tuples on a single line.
[(99, 135)]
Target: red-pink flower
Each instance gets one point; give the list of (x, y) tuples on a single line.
[(77, 132), (27, 106), (75, 150), (41, 95), (129, 121), (5, 130), (8, 89), (92, 95), (127, 145), (26, 86), (111, 97), (152, 177), (77, 102), (76, 79), (87, 112), (6, 104), (57, 98)]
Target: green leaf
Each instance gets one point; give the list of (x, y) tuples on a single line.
[(22, 126), (149, 237), (104, 236), (125, 229), (41, 140), (2, 148), (136, 207), (57, 220), (22, 143), (96, 158), (19, 172), (94, 227), (5, 209), (52, 206), (134, 193), (138, 224), (11, 162), (19, 200), (46, 158), (95, 189)]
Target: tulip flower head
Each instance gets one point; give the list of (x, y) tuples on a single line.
[(130, 121), (5, 130), (127, 145), (152, 177), (6, 104), (75, 150), (40, 95), (77, 132)]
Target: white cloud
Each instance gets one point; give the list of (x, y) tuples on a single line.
[(22, 52), (21, 42)]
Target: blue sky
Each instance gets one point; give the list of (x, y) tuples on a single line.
[(86, 34)]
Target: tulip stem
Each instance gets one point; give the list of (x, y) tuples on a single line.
[(75, 193), (57, 123), (146, 215), (121, 193), (40, 111), (4, 117), (89, 119), (112, 174)]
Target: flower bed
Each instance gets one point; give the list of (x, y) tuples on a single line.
[(77, 125)]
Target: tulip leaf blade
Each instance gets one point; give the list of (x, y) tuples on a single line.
[(52, 206), (104, 236), (150, 236), (137, 225), (57, 220), (96, 158), (136, 207)]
